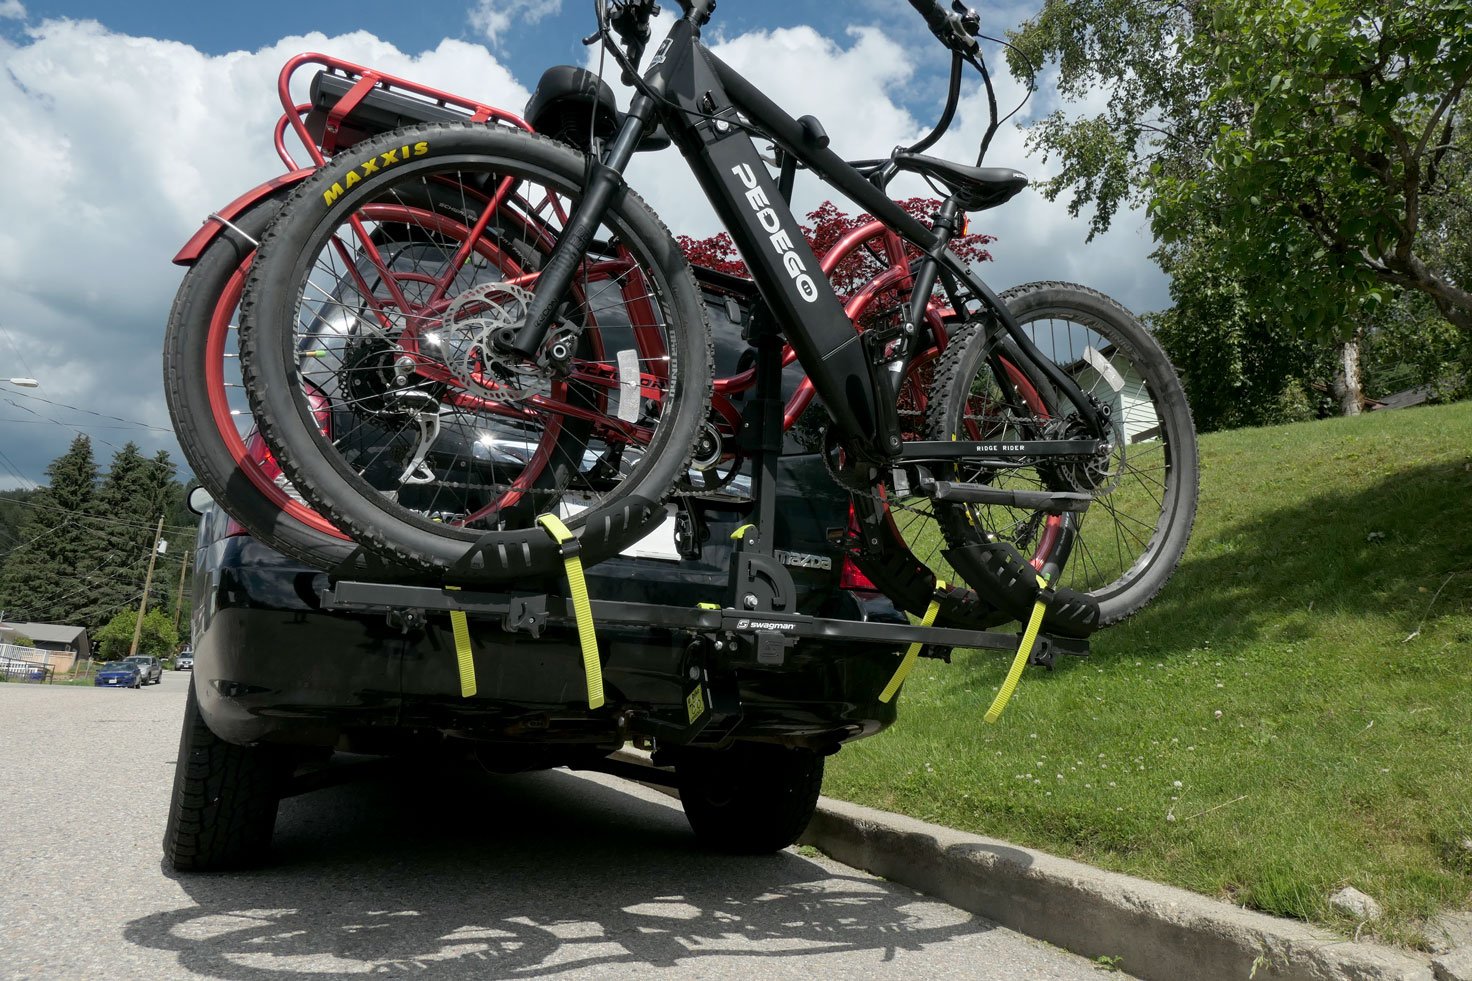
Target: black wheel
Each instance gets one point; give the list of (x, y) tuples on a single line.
[(207, 403), (1121, 551), (368, 352), (751, 799), (223, 808)]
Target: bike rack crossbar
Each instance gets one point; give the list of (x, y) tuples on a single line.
[(530, 612)]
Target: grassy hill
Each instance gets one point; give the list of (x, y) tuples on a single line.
[(1293, 714)]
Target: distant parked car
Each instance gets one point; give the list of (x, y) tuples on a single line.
[(123, 674), (151, 668), (185, 661)]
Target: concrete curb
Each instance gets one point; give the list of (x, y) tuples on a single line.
[(1160, 933)]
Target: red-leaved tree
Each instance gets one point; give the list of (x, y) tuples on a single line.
[(829, 225), (888, 307)]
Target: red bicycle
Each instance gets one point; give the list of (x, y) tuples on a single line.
[(897, 538), (349, 103)]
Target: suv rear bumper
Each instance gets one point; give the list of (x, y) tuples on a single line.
[(272, 666)]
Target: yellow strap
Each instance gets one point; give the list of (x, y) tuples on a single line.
[(707, 606), (1024, 651), (908, 661), (740, 533), (577, 590), (460, 627)]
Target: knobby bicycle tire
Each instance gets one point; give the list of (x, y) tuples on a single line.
[(204, 306), (1146, 494), (370, 309)]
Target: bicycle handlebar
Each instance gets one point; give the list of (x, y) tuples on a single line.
[(957, 29)]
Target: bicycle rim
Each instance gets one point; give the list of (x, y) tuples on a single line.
[(386, 308)]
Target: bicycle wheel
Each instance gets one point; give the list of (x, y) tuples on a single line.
[(368, 358), (1117, 555), (207, 401)]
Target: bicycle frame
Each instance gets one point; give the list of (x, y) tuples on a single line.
[(708, 109)]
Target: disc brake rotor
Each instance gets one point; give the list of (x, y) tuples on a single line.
[(464, 340)]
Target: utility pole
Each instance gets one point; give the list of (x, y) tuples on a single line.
[(147, 582)]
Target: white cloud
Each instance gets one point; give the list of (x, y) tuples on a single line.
[(12, 10), (492, 18), (126, 144), (856, 87)]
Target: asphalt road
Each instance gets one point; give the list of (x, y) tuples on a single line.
[(425, 876)]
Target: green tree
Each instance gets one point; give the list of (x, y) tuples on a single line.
[(1326, 141), (135, 492), (13, 515), (43, 578), (158, 637), (1239, 368)]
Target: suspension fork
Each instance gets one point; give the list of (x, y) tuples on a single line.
[(605, 179), (926, 274)]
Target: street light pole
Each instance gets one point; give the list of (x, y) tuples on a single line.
[(147, 582)]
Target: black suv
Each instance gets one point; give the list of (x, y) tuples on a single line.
[(280, 682)]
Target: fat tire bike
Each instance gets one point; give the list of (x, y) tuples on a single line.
[(1025, 438), (348, 103)]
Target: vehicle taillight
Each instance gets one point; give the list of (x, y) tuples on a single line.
[(850, 576)]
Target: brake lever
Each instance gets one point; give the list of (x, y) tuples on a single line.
[(970, 18), (965, 24), (630, 21)]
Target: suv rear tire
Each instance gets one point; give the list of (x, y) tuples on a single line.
[(751, 799), (223, 810)]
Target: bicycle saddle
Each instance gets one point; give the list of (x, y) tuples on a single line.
[(565, 96), (975, 188)]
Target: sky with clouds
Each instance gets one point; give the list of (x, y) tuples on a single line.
[(126, 124)]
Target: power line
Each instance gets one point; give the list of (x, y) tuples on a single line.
[(16, 347), (52, 422), (100, 415), (88, 516), (15, 472), (58, 422)]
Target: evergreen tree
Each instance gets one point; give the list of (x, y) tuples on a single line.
[(43, 578), (133, 495)]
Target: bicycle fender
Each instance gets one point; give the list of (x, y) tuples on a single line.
[(211, 229)]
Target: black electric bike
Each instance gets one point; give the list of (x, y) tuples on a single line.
[(454, 330)]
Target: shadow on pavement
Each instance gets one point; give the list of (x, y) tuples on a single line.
[(473, 875)]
